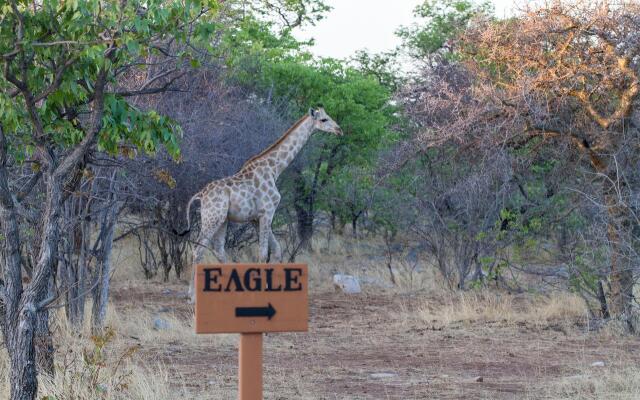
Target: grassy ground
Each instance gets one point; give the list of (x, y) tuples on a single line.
[(415, 340)]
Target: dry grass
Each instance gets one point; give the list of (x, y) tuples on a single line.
[(387, 328), (131, 381), (104, 367), (485, 306), (119, 378), (621, 382), (117, 373)]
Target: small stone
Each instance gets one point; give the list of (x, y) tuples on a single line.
[(383, 375), (160, 324), (478, 379), (164, 309), (598, 364), (347, 284)]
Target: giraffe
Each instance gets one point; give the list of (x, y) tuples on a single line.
[(251, 195)]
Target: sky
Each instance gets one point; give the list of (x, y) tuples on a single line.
[(366, 24)]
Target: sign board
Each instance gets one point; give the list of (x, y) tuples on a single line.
[(251, 298)]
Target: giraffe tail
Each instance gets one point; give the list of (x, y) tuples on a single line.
[(194, 197)]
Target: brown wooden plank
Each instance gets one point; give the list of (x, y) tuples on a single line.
[(251, 298)]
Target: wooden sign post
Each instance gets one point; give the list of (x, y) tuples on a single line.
[(251, 299)]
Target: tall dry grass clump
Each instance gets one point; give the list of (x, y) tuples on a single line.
[(485, 306), (611, 383), (99, 367), (90, 369)]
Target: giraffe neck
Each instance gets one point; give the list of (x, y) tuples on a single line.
[(285, 150)]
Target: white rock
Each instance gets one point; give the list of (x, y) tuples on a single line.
[(160, 324), (346, 283), (598, 364), (383, 375)]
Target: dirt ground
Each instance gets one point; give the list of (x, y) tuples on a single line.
[(353, 338)]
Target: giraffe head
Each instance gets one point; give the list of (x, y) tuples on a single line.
[(323, 122)]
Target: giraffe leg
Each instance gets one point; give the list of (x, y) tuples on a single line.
[(274, 246), (263, 238), (270, 248), (206, 238), (218, 242), (201, 245)]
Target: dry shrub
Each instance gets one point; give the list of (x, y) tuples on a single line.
[(126, 261), (107, 366), (483, 306), (96, 369)]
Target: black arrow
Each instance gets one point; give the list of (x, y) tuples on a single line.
[(268, 311)]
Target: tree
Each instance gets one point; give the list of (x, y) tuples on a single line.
[(384, 67), (563, 76), (441, 22), (287, 14), (349, 196), (61, 104)]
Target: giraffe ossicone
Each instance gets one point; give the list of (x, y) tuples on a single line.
[(251, 195)]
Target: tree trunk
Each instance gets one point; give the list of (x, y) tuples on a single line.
[(75, 254), (303, 205), (354, 225), (22, 326), (604, 308), (44, 339), (23, 376), (164, 245), (305, 200), (305, 227), (103, 269), (18, 319), (103, 276), (621, 274), (44, 344), (178, 248)]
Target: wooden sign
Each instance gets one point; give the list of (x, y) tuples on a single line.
[(251, 298)]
